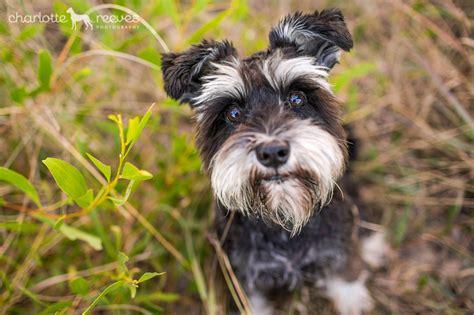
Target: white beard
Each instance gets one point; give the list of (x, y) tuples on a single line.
[(316, 162)]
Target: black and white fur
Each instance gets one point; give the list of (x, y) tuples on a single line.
[(276, 161)]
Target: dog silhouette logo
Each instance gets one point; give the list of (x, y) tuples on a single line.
[(79, 17)]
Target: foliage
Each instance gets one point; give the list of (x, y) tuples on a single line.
[(114, 215)]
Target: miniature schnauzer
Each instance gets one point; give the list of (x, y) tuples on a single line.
[(270, 136)]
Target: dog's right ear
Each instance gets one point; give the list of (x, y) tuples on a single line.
[(182, 72), (320, 35)]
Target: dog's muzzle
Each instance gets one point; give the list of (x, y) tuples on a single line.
[(281, 175)]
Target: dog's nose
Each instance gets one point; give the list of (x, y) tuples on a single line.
[(273, 154)]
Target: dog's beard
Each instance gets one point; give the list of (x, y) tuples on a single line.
[(288, 202), (286, 196)]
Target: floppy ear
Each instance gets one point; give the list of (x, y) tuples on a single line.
[(320, 35), (182, 72)]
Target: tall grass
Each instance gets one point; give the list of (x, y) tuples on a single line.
[(407, 90)]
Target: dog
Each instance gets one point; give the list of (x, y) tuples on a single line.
[(269, 132), (79, 17)]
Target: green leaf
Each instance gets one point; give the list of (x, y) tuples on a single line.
[(68, 178), (117, 236), (18, 94), (149, 275), (167, 297), (20, 182), (114, 286), (241, 10), (142, 125), (61, 10), (122, 259), (30, 31), (168, 8), (99, 230), (401, 227), (198, 6), (73, 234), (210, 25), (59, 222), (4, 29), (150, 54), (84, 72), (120, 202), (103, 168), (113, 118), (131, 172), (133, 290), (56, 308), (132, 129), (85, 200), (20, 227), (79, 286), (31, 295), (358, 71), (117, 201), (45, 69)]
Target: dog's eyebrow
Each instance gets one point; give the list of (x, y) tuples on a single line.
[(282, 72), (225, 80)]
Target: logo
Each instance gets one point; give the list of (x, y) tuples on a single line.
[(99, 21), (79, 17)]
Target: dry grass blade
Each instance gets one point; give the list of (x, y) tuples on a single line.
[(407, 92), (233, 284)]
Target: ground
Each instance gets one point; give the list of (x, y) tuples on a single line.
[(407, 91)]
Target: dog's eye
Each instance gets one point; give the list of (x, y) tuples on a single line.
[(234, 114), (296, 99)]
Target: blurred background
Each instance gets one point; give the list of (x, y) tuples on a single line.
[(407, 88)]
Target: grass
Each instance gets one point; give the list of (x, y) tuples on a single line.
[(407, 89)]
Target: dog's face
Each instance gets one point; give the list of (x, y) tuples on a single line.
[(268, 127)]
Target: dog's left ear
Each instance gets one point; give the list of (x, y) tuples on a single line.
[(320, 35), (182, 72)]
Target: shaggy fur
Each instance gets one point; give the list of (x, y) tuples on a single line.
[(270, 137)]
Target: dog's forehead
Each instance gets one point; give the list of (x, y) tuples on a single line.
[(281, 70), (238, 78)]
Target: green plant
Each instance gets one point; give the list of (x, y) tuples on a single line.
[(73, 183), (406, 91)]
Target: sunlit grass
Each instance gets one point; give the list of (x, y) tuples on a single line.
[(407, 92)]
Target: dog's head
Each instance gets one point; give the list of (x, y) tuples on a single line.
[(268, 126)]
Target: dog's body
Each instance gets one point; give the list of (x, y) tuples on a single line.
[(270, 136), (324, 255)]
